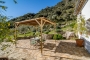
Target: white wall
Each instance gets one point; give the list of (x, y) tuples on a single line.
[(86, 13), (86, 10)]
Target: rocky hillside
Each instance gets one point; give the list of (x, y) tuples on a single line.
[(61, 13)]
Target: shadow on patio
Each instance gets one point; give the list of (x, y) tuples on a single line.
[(49, 46), (62, 58), (71, 48)]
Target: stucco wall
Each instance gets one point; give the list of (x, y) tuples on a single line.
[(86, 13), (87, 43), (86, 10)]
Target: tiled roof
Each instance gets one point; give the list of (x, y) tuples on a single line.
[(79, 5)]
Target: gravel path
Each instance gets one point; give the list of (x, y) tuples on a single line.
[(59, 50)]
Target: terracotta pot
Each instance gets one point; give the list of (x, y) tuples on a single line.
[(80, 42)]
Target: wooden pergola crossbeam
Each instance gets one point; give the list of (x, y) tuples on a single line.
[(43, 24), (49, 21), (34, 22), (38, 22)]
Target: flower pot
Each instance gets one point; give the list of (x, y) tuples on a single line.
[(80, 42)]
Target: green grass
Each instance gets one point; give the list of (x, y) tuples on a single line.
[(12, 37), (67, 28), (21, 35), (52, 32), (26, 35), (70, 26)]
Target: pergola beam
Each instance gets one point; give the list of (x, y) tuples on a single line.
[(33, 21), (43, 24), (38, 22)]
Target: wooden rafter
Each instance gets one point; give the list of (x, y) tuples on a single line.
[(34, 22)]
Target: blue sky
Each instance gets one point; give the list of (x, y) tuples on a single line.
[(27, 6)]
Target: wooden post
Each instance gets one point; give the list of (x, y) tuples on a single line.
[(15, 34), (41, 26), (55, 30)]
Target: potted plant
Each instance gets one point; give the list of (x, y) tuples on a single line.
[(80, 29), (79, 42)]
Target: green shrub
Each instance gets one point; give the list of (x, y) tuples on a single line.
[(37, 33), (59, 36), (34, 30), (59, 30), (46, 32), (55, 37)]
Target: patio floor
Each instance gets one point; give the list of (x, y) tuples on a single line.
[(59, 50)]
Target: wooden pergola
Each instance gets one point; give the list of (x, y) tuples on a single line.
[(35, 22)]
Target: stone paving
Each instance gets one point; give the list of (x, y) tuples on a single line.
[(59, 50)]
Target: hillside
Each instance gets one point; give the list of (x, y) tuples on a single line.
[(61, 13)]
